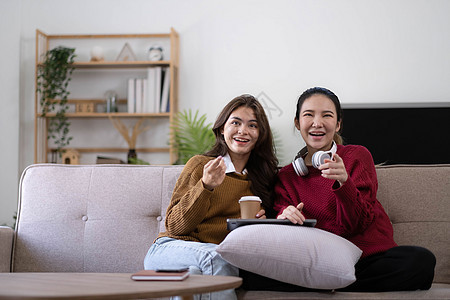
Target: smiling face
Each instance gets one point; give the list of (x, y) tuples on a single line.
[(241, 133), (318, 122)]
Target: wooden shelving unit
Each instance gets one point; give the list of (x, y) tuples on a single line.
[(42, 151)]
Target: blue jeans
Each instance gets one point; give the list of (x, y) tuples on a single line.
[(200, 258)]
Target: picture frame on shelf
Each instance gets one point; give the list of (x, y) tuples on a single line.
[(87, 107)]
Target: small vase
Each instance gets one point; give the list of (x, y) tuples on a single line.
[(111, 101), (131, 154)]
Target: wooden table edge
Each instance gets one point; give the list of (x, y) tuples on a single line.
[(220, 283)]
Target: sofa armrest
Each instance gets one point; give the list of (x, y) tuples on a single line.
[(6, 245)]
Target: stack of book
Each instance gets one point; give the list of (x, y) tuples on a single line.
[(109, 160), (151, 94)]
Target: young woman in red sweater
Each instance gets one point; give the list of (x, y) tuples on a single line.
[(341, 193)]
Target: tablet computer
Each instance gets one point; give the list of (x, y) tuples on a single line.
[(235, 223)]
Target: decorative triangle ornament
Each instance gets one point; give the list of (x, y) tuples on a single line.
[(126, 54)]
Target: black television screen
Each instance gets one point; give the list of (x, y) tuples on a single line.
[(400, 135)]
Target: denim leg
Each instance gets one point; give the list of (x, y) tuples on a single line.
[(200, 258)]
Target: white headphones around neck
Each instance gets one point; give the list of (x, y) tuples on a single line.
[(318, 158)]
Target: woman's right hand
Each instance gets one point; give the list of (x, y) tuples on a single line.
[(214, 173), (293, 214)]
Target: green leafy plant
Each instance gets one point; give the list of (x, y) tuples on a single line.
[(137, 161), (191, 135), (54, 75)]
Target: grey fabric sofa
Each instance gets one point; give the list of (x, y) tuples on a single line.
[(103, 218)]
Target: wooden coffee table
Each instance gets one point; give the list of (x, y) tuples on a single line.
[(106, 286)]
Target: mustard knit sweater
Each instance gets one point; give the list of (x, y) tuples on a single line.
[(197, 214)]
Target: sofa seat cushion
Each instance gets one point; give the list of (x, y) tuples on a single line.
[(303, 256)]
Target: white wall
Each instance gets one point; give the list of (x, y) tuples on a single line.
[(9, 99), (366, 51)]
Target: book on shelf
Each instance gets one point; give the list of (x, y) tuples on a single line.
[(144, 96), (151, 94), (131, 98), (109, 160), (151, 85), (139, 92), (157, 275), (158, 79), (165, 91)]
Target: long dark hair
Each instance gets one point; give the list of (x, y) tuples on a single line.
[(330, 95), (262, 165)]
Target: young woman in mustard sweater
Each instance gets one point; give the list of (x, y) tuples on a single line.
[(241, 163)]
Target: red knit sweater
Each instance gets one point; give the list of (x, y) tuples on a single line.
[(351, 211)]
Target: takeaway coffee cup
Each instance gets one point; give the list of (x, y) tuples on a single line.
[(250, 206)]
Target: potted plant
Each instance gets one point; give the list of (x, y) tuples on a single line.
[(53, 78), (190, 135)]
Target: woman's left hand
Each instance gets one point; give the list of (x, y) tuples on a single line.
[(261, 214), (334, 169)]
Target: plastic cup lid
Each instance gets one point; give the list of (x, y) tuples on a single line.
[(250, 198)]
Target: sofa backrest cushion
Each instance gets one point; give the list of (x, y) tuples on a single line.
[(417, 200), (99, 218), (103, 218)]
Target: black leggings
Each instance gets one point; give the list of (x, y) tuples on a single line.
[(402, 268)]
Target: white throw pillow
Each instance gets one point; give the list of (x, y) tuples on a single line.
[(303, 256)]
